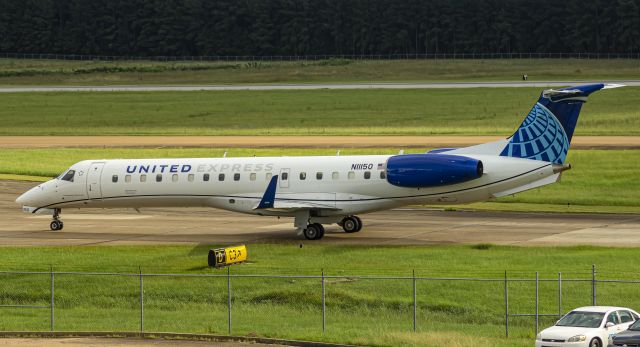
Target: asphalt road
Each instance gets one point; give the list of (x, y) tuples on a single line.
[(433, 85), (409, 226)]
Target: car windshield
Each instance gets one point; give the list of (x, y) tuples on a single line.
[(581, 319), (635, 326)]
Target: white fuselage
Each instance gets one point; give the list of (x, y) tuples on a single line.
[(331, 185)]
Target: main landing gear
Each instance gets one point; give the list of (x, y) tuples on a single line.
[(56, 223), (315, 231), (351, 224)]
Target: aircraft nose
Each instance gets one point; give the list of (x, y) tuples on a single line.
[(27, 198), (23, 199)]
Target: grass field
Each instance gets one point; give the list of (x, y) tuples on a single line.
[(359, 310), (42, 72), (600, 181), (476, 111)]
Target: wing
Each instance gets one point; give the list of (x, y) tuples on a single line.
[(287, 203), (289, 206)]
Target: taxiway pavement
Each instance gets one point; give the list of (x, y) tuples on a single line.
[(407, 226)]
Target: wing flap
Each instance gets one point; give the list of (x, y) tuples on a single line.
[(288, 206)]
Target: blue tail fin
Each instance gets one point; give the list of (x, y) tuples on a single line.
[(547, 131)]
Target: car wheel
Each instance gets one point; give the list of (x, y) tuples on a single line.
[(595, 342)]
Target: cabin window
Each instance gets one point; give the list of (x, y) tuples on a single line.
[(252, 176), (383, 175), (318, 175), (159, 178), (143, 178), (127, 179), (205, 177), (367, 175), (191, 177), (221, 177), (68, 176), (335, 175), (114, 178), (236, 177), (303, 176), (285, 176), (174, 178), (351, 175), (268, 176)]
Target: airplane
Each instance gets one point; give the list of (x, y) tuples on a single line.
[(317, 190)]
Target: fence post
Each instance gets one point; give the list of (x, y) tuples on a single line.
[(537, 301), (506, 304), (415, 303), (593, 285), (559, 294), (324, 307), (52, 304), (229, 296), (141, 301)]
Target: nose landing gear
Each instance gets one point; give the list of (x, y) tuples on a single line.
[(56, 223)]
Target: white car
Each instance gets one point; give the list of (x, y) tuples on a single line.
[(590, 326)]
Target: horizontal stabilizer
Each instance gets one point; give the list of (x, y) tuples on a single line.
[(532, 185), (613, 85)]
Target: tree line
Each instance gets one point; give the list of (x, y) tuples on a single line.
[(317, 27)]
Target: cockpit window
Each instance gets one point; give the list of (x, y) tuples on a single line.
[(68, 176)]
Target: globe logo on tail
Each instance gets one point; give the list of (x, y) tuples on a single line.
[(540, 137)]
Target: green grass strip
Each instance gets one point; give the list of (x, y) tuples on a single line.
[(476, 111), (43, 72)]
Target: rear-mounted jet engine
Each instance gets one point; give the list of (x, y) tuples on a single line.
[(431, 170)]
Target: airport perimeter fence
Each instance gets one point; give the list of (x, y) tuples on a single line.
[(296, 305), (423, 56)]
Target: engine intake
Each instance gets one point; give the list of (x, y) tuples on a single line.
[(431, 170)]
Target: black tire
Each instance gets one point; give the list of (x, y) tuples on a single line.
[(55, 225), (61, 225), (311, 232), (350, 224), (321, 231), (595, 342), (359, 223)]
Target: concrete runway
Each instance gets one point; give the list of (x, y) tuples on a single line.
[(409, 226), (408, 85)]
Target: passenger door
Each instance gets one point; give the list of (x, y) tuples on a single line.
[(93, 180), (626, 319), (613, 318)]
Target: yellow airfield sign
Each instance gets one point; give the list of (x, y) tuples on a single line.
[(221, 257)]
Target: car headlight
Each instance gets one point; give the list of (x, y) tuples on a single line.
[(577, 338), (539, 337)]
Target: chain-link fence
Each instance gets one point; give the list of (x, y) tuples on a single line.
[(428, 56), (241, 304)]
